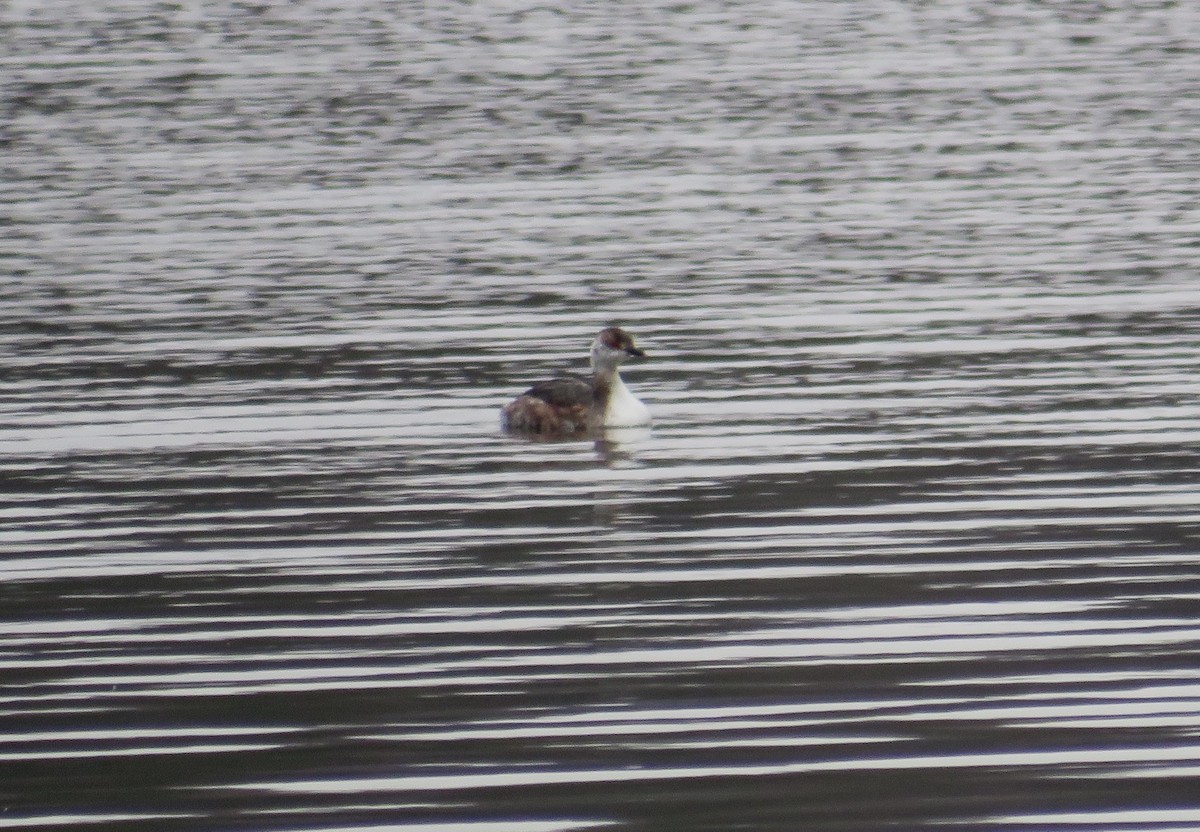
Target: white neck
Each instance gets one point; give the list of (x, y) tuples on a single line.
[(624, 409)]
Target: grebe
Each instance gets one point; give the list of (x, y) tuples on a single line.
[(573, 406)]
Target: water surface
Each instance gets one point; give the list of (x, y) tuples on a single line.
[(913, 540)]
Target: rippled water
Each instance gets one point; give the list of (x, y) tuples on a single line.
[(913, 541)]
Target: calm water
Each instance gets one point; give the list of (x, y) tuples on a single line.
[(913, 542)]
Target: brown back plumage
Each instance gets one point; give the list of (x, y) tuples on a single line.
[(561, 406)]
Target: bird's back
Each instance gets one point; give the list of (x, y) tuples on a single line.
[(559, 407)]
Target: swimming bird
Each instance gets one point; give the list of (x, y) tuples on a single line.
[(574, 405)]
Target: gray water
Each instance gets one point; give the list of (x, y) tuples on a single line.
[(913, 542)]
